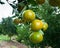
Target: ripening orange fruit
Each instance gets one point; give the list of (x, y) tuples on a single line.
[(36, 25), (29, 15)]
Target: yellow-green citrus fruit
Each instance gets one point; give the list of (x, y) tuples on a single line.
[(45, 26), (36, 37), (36, 25), (29, 15)]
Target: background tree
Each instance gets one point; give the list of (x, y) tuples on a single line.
[(8, 27)]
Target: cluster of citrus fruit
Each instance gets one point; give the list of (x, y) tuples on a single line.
[(36, 25)]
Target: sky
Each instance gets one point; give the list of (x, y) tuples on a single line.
[(5, 10)]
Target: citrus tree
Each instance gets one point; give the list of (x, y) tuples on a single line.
[(37, 22)]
